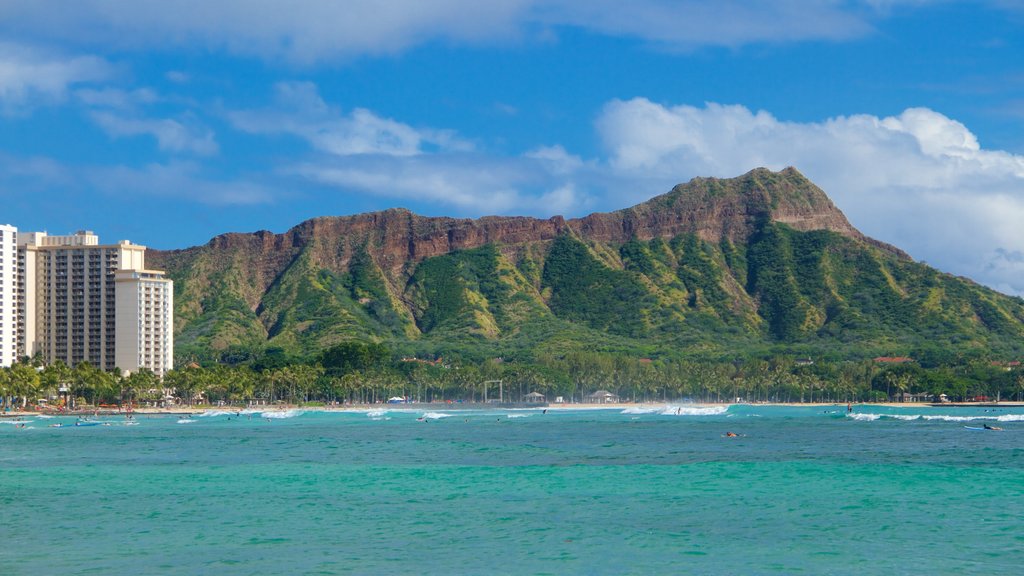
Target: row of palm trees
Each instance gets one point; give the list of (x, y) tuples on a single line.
[(25, 384), (571, 376)]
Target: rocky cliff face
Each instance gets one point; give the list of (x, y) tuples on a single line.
[(398, 239)]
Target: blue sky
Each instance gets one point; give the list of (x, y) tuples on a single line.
[(168, 123)]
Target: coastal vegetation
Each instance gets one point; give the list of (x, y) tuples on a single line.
[(367, 373)]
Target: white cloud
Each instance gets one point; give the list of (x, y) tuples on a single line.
[(308, 31), (469, 184), (364, 153), (920, 180), (29, 76), (171, 135), (556, 159), (300, 111)]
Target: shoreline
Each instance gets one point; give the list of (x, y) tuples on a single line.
[(414, 406)]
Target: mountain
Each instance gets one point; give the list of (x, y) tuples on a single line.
[(714, 267)]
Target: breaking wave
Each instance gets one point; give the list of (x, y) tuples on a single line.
[(215, 413), (864, 417), (867, 416), (435, 415), (686, 410), (281, 413)]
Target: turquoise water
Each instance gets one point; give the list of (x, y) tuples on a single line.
[(802, 490)]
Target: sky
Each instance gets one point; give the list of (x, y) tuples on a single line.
[(168, 123)]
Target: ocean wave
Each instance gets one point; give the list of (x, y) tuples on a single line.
[(694, 410), (867, 416), (281, 413), (642, 410), (519, 415), (946, 418), (864, 416), (376, 414), (186, 421), (682, 410), (215, 413), (435, 415)]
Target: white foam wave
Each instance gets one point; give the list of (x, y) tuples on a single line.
[(945, 418), (215, 413), (864, 416), (694, 410), (518, 415), (186, 421), (642, 410), (436, 415), (44, 416), (376, 414), (282, 413), (682, 410)]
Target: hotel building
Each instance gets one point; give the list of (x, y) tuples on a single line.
[(8, 295), (82, 301)]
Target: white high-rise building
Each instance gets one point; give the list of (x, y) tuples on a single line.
[(71, 301), (144, 324), (8, 295)]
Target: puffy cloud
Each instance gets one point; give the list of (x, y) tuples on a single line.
[(171, 135), (301, 112), (314, 30), (919, 180), (29, 76)]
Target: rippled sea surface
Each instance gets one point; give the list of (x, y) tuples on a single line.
[(655, 490)]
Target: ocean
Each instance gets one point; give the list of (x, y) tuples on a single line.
[(655, 490)]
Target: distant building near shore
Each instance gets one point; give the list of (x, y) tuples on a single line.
[(81, 301)]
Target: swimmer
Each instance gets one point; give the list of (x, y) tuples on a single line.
[(731, 435)]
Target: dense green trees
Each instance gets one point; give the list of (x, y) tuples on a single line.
[(358, 372)]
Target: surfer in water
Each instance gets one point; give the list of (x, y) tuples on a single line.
[(987, 427)]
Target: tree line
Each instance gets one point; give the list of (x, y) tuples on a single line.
[(365, 373)]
